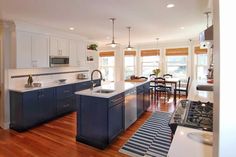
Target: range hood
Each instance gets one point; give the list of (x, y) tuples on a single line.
[(206, 38)]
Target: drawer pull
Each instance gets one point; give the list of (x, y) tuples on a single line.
[(66, 91), (66, 105)]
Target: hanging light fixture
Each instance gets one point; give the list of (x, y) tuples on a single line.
[(157, 42), (113, 43), (129, 47)]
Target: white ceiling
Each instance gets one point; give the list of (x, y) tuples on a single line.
[(148, 18)]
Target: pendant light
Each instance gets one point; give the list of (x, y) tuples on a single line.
[(113, 43), (129, 47)]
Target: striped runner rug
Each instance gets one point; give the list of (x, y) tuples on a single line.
[(152, 139)]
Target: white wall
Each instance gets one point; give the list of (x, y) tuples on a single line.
[(224, 82)]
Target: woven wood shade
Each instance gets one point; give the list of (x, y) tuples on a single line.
[(106, 54), (150, 53), (177, 52), (198, 50), (130, 53)]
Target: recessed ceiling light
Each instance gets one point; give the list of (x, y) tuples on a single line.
[(181, 27), (71, 28), (170, 6)]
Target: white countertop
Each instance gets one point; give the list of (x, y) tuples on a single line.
[(48, 85), (198, 95), (183, 146), (118, 88)]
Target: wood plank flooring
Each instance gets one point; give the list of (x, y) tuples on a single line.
[(57, 138)]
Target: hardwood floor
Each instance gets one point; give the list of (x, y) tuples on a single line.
[(57, 138)]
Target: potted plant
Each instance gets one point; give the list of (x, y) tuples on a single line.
[(92, 47), (156, 71)]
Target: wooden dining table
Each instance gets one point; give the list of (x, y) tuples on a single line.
[(174, 81)]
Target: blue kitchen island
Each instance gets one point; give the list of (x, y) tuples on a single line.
[(106, 111)]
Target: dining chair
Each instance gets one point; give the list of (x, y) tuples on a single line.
[(183, 89), (168, 85), (160, 87), (152, 83)]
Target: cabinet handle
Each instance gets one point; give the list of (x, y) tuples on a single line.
[(66, 91), (117, 100), (66, 105)]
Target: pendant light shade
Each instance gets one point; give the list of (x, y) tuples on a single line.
[(113, 43), (129, 47)]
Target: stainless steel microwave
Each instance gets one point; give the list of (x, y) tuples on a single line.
[(58, 61)]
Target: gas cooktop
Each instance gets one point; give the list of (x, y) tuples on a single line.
[(194, 114)]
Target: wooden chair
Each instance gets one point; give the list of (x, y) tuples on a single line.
[(169, 85), (183, 89), (160, 87), (152, 83)]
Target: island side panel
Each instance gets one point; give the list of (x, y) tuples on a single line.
[(92, 119)]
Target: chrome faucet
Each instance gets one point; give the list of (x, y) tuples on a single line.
[(94, 84)]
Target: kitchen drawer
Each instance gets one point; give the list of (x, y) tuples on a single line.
[(116, 100), (65, 91), (140, 89), (66, 105), (83, 85)]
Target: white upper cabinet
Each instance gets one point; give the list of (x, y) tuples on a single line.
[(77, 52), (23, 48), (59, 46), (73, 53), (32, 50), (40, 51)]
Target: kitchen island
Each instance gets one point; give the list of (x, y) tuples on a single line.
[(106, 111)]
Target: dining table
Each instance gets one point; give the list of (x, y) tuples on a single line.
[(171, 81)]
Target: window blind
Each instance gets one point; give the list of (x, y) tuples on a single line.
[(198, 50), (130, 53), (177, 52), (150, 53), (106, 54)]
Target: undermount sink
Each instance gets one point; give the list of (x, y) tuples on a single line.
[(104, 91)]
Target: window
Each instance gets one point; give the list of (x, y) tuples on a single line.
[(129, 62), (149, 61), (201, 66), (176, 62), (107, 65)]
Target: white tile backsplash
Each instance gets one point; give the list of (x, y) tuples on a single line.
[(15, 83)]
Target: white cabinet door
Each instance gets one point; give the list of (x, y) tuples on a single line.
[(40, 48), (59, 46), (82, 50), (23, 55), (54, 51), (73, 53), (63, 46)]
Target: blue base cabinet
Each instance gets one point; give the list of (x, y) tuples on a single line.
[(143, 98), (31, 108), (99, 120)]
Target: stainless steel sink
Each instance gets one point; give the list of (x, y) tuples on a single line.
[(104, 91)]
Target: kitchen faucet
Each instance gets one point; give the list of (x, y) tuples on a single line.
[(94, 84)]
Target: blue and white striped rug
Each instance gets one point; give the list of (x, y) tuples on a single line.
[(152, 139)]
